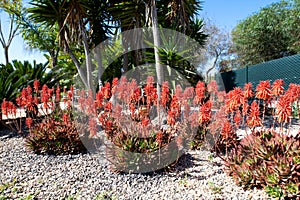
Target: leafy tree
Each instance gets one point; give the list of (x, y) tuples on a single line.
[(71, 17), (36, 36), (84, 24), (171, 14), (271, 33), (217, 48), (12, 31)]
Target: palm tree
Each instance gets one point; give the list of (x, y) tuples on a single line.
[(128, 15), (71, 16), (171, 14)]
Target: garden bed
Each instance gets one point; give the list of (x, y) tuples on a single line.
[(197, 175)]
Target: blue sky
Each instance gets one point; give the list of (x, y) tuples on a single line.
[(228, 13), (225, 13)]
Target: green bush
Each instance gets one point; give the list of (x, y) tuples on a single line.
[(17, 75)]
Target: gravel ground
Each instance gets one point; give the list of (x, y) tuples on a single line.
[(197, 175)]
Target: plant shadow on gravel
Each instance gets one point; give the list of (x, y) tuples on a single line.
[(10, 130), (181, 167)]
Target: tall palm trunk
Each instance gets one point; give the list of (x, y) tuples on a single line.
[(100, 64), (89, 77), (156, 41)]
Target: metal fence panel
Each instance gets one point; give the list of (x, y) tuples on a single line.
[(287, 68)]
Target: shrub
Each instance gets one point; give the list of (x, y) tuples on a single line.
[(52, 130), (58, 134), (267, 159), (143, 130)]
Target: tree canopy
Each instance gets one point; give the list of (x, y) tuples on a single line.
[(271, 33)]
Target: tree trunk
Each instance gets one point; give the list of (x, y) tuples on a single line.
[(89, 77), (100, 65), (6, 54), (77, 64), (213, 66), (125, 56)]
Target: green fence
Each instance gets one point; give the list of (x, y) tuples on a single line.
[(287, 68)]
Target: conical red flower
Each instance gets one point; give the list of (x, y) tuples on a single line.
[(263, 90)]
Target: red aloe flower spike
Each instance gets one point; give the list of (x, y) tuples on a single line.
[(135, 92), (277, 87), (205, 112), (121, 88), (132, 109), (57, 94), (234, 99), (283, 109), (193, 119), (114, 85), (174, 111), (293, 92), (245, 108), (188, 93), (171, 118), (253, 119), (178, 92), (29, 122), (164, 99), (4, 107), (212, 87), (227, 130), (23, 98), (108, 106), (36, 100), (30, 103), (36, 85), (99, 99), (72, 89), (136, 95), (81, 100), (248, 90), (50, 92), (45, 96), (145, 122), (8, 108), (29, 90), (106, 90), (187, 110), (93, 127), (70, 95), (108, 124), (175, 106), (159, 137), (150, 91), (221, 96), (117, 111), (263, 90), (66, 118), (200, 92), (90, 104)]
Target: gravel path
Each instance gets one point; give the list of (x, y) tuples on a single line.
[(88, 176)]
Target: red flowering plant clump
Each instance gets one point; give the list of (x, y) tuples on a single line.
[(266, 153), (52, 129), (140, 124)]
